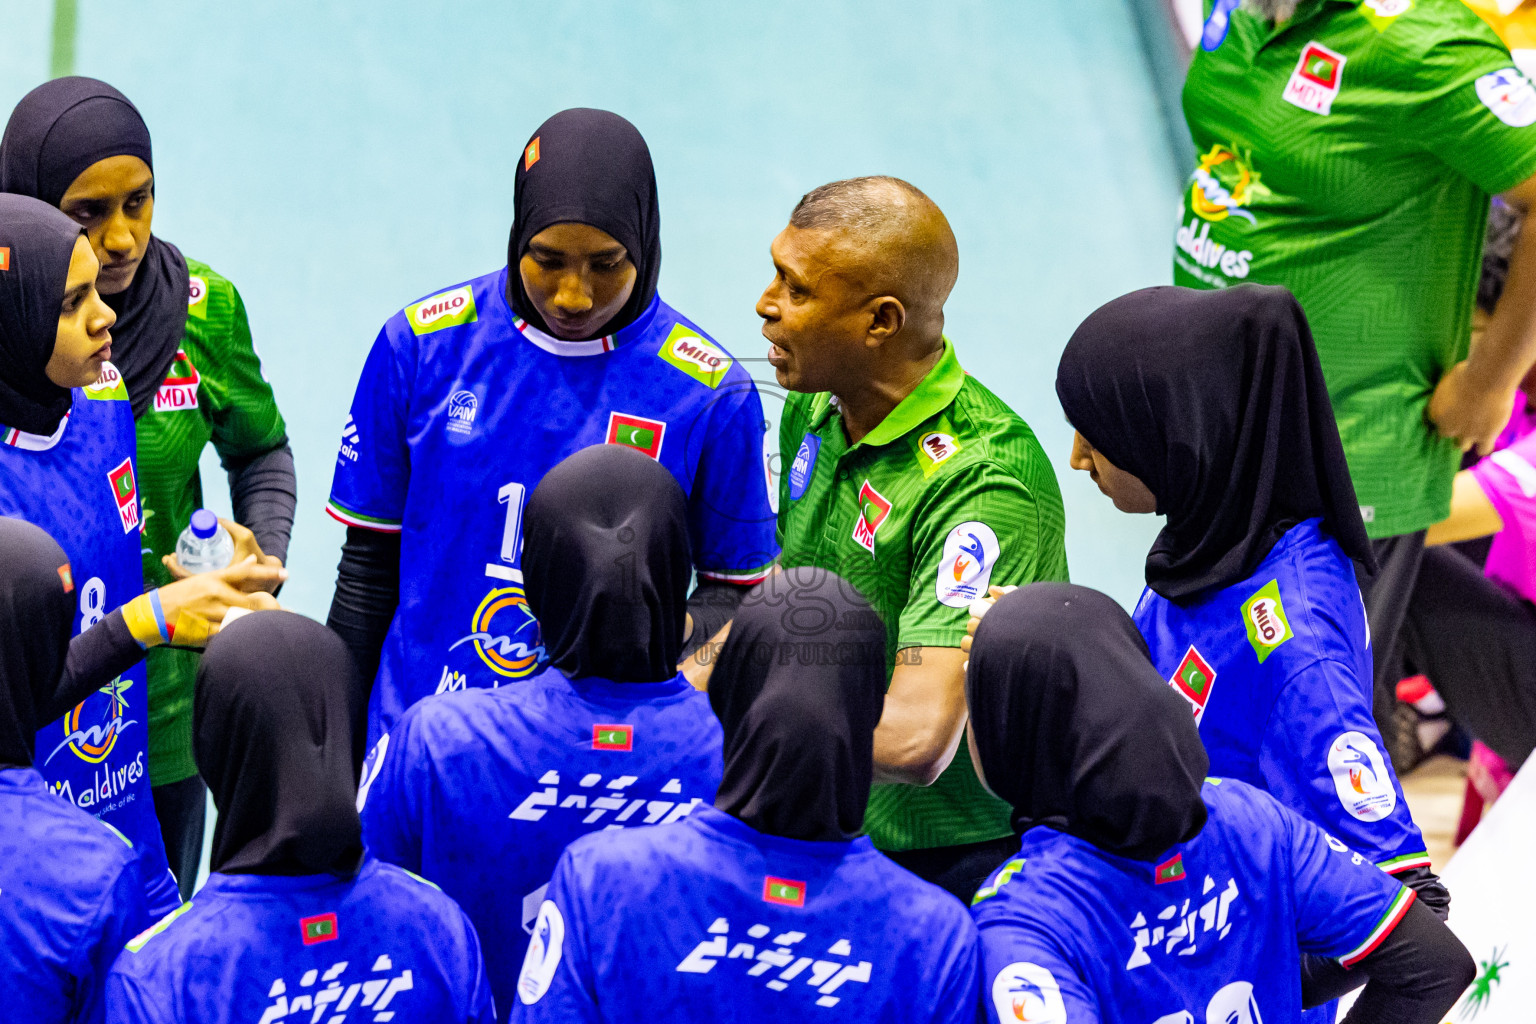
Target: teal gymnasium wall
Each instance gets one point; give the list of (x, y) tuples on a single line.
[(337, 160)]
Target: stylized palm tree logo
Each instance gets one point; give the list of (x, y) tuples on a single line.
[(1482, 989)]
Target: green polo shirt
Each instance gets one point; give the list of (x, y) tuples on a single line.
[(951, 493), (1349, 156)]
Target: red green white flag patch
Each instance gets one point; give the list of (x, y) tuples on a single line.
[(1170, 870), (874, 509), (1193, 680), (613, 737), (636, 432), (320, 928), (784, 891)]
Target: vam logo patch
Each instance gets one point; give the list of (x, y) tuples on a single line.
[(462, 406), (1264, 619), (804, 466), (543, 956), (965, 568), (1360, 777), (1027, 993)]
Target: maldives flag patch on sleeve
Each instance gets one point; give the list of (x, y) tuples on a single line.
[(786, 892), (320, 928), (1193, 680), (613, 737), (636, 432)]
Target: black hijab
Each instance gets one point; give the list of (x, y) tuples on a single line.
[(36, 243), (606, 565), (1075, 729), (272, 735), (57, 131), (1216, 400), (587, 166), (37, 616), (798, 687)]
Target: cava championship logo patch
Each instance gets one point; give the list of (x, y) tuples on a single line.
[(636, 432), (965, 568), (1027, 993), (1193, 680), (1510, 96), (320, 928), (179, 389), (1264, 618), (125, 491), (1360, 777), (544, 951), (695, 355), (1314, 85), (784, 891), (874, 509), (450, 309), (613, 737)]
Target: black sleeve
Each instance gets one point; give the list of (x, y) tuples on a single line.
[(367, 593), (1323, 979), (264, 492), (1416, 974), (711, 604), (95, 658)]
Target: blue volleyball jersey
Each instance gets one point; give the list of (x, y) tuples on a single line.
[(710, 921), (1277, 671), (1071, 934), (261, 949), (481, 791), (70, 896), (461, 410), (79, 486)]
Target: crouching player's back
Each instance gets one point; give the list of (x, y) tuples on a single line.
[(295, 922), (769, 905)]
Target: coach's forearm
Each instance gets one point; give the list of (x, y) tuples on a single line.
[(924, 716)]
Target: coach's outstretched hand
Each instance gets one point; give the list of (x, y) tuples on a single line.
[(979, 608)]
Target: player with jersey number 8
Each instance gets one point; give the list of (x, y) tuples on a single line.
[(67, 464), (472, 394)]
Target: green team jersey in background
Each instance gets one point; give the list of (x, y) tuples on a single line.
[(1349, 156), (951, 493), (214, 391)]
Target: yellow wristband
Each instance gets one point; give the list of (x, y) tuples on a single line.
[(144, 620)]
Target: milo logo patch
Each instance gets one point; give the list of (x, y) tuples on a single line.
[(1264, 618), (696, 356), (449, 309)]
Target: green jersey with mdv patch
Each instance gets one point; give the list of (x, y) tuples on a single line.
[(1349, 156), (214, 391), (950, 494)]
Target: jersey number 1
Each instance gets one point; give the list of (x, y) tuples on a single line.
[(511, 495)]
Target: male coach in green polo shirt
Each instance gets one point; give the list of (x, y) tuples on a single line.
[(913, 482), (1347, 150)]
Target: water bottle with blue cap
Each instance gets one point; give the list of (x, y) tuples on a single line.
[(204, 546)]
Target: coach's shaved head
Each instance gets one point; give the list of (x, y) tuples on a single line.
[(857, 304)]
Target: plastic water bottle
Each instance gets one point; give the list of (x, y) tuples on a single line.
[(204, 546)]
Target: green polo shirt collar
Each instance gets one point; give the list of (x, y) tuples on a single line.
[(933, 395)]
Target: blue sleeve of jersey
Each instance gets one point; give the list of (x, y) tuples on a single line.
[(482, 1007), (373, 466), (556, 983), (127, 1003), (389, 797), (1322, 756), (1345, 906), (729, 518), (123, 914), (958, 1000), (1025, 976)]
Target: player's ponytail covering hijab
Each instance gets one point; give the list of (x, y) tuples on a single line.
[(36, 243), (272, 733), (587, 166), (798, 688), (57, 131), (606, 565), (1216, 401), (1075, 729), (37, 616)]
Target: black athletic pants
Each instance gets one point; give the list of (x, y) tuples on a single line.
[(181, 807), (1477, 644), (958, 870), (1387, 596)]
